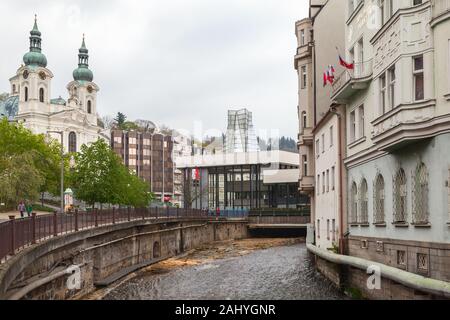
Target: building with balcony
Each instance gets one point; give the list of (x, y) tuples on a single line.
[(150, 156), (398, 133)]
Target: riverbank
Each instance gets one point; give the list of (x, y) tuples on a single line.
[(251, 269)]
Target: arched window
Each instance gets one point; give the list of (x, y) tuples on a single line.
[(354, 204), (304, 120), (364, 203), (420, 195), (89, 107), (14, 88), (26, 94), (41, 95), (156, 250), (72, 142), (400, 201), (378, 205)]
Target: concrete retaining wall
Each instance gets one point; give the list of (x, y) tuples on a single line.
[(105, 253)]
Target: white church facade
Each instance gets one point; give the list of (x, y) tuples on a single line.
[(30, 100)]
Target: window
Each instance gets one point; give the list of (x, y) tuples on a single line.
[(354, 204), (364, 201), (118, 139), (422, 262), (383, 93), (146, 142), (132, 151), (146, 162), (304, 77), (318, 184), (304, 120), (305, 165), (333, 178), (420, 195), (89, 107), (132, 162), (400, 194), (14, 88), (41, 95), (131, 140), (392, 79), (328, 180), (146, 152), (361, 123), (333, 230), (323, 142), (317, 148), (72, 142), (331, 136), (379, 215), (328, 229), (323, 182), (302, 37), (318, 228), (401, 258), (352, 126), (26, 94), (418, 79), (417, 2)]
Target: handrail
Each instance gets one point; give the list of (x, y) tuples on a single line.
[(361, 70)]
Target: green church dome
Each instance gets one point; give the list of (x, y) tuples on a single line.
[(82, 73), (35, 57)]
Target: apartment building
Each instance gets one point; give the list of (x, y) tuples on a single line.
[(321, 121), (397, 105), (149, 155)]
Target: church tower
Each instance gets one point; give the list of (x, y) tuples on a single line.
[(32, 82), (83, 91)]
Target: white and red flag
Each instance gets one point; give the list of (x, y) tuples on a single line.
[(328, 76), (345, 64)]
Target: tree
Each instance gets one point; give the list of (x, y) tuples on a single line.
[(18, 144), (120, 120), (100, 177)]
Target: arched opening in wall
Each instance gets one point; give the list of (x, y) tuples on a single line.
[(400, 194), (354, 204), (304, 120), (41, 95), (26, 94), (364, 201), (156, 250), (379, 200), (72, 142), (420, 195), (89, 107)]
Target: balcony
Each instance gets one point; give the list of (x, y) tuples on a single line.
[(306, 137), (307, 184), (441, 11), (351, 81), (407, 123), (303, 52)]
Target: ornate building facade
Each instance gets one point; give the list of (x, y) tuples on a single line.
[(30, 101)]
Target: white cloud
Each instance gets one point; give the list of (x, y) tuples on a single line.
[(173, 62)]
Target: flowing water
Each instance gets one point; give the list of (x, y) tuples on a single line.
[(283, 272)]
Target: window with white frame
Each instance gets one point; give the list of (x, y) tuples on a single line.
[(379, 215), (117, 139), (352, 126), (302, 37), (331, 136), (364, 202), (318, 184), (328, 180), (383, 93), (305, 164), (317, 148), (328, 229), (323, 182), (420, 195), (400, 197), (303, 77), (354, 204), (333, 178), (361, 123), (392, 80), (418, 73)]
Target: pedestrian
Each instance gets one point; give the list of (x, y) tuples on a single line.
[(218, 212), (29, 209), (21, 208)]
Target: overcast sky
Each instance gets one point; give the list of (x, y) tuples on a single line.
[(174, 62)]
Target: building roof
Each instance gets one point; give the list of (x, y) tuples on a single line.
[(237, 159), (10, 107), (59, 101)]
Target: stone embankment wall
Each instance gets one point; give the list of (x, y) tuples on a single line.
[(97, 257)]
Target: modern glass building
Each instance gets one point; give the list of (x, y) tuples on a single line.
[(240, 136)]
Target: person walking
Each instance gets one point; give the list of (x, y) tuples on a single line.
[(21, 208), (29, 209)]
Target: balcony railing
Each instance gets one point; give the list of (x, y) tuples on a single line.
[(440, 7), (362, 70)]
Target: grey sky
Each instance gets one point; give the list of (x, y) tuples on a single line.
[(173, 62)]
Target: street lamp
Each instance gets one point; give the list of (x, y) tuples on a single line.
[(62, 167)]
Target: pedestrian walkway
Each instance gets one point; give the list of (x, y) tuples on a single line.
[(4, 216)]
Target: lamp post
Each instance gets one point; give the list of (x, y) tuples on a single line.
[(62, 167)]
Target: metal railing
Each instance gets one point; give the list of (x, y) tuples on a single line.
[(361, 70), (440, 7), (17, 234)]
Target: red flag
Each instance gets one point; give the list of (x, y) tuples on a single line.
[(345, 64), (325, 79)]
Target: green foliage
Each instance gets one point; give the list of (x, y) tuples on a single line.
[(100, 177), (28, 163), (120, 120)]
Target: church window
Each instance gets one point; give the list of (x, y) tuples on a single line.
[(26, 93), (89, 107), (14, 88), (72, 142), (41, 95)]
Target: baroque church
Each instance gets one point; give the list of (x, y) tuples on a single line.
[(30, 100)]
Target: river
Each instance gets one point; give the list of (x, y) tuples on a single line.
[(253, 269)]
